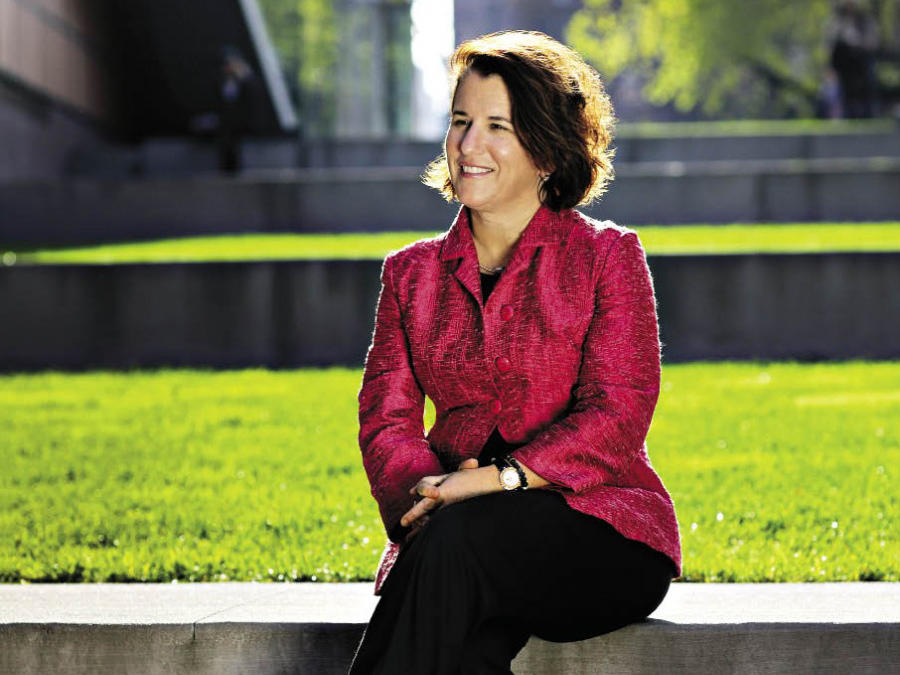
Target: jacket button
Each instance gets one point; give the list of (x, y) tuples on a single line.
[(506, 312), (503, 364), (496, 406)]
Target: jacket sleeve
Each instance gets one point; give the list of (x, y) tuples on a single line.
[(617, 386), (392, 440)]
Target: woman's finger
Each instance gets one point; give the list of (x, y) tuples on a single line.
[(421, 508), (425, 485), (416, 528), (468, 464), (427, 490)]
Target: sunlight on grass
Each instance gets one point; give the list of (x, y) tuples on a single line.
[(658, 240), (779, 472)]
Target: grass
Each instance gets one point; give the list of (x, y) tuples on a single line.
[(196, 475), (658, 240)]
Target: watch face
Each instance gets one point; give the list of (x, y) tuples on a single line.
[(510, 478)]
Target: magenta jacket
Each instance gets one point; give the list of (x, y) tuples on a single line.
[(564, 357)]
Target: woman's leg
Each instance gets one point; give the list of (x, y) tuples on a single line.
[(492, 645), (487, 572)]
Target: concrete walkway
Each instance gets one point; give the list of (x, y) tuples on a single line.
[(258, 629)]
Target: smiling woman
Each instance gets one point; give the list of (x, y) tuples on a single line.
[(489, 169), (555, 105), (530, 507)]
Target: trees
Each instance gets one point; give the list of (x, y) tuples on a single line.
[(721, 57), (348, 63), (305, 35)]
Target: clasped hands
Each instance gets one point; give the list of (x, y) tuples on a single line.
[(438, 491)]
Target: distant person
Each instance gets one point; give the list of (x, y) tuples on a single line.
[(235, 102), (828, 98), (854, 40), (533, 330)]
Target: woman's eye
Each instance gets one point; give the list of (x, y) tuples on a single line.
[(458, 123), (498, 126)]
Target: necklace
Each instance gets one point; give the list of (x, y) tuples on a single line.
[(490, 270)]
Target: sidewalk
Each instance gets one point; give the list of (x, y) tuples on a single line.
[(262, 629)]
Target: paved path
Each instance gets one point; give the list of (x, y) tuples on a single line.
[(688, 604), (269, 628)]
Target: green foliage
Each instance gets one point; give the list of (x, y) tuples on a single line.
[(666, 239), (305, 35), (243, 475), (725, 57), (325, 46)]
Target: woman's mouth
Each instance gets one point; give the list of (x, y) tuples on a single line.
[(472, 171)]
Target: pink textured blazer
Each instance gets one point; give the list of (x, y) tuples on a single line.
[(564, 357)]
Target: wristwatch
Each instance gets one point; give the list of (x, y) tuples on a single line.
[(512, 477)]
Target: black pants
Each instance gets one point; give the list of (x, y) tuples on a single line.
[(486, 573)]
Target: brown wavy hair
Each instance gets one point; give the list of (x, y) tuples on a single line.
[(560, 112)]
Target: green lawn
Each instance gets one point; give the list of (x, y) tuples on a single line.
[(658, 240), (779, 472)]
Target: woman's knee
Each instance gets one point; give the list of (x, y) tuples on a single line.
[(453, 526)]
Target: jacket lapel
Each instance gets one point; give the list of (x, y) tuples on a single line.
[(459, 245)]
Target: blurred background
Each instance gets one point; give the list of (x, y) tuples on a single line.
[(146, 88), (185, 122), (196, 198)]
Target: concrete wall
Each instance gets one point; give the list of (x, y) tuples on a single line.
[(754, 191), (229, 628), (221, 315), (631, 146), (41, 138), (779, 306), (185, 156), (167, 156), (57, 47), (347, 200), (299, 313)]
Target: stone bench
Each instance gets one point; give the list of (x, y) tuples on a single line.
[(313, 629)]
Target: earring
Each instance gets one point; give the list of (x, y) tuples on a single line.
[(544, 178)]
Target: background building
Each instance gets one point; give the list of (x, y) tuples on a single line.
[(78, 78)]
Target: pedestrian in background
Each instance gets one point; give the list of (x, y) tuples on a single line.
[(853, 36), (235, 101)]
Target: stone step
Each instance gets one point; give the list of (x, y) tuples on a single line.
[(180, 155), (313, 629), (393, 198)]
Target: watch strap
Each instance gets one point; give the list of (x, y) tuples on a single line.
[(523, 479), (507, 462)]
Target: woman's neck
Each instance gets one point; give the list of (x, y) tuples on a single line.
[(495, 235)]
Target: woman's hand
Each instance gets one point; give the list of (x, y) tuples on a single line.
[(437, 491), (468, 481)]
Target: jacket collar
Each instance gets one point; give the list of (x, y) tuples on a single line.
[(545, 227)]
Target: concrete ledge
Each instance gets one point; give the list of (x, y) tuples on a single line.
[(287, 314), (220, 629), (392, 198), (179, 155)]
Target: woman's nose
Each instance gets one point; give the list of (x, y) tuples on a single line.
[(471, 142)]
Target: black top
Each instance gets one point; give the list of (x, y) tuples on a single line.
[(496, 445)]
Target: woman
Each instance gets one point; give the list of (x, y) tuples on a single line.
[(531, 506)]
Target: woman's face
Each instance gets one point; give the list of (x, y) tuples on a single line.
[(489, 168)]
